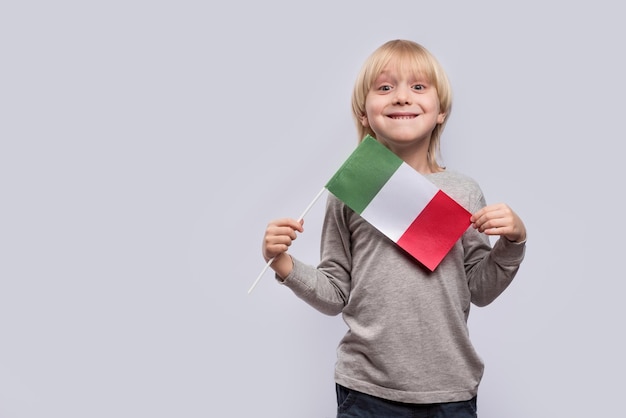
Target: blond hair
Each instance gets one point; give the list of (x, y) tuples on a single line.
[(412, 56)]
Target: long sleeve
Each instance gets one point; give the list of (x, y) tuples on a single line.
[(327, 287)]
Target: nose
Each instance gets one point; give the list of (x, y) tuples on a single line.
[(402, 95)]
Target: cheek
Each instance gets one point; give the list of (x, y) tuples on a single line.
[(365, 117)]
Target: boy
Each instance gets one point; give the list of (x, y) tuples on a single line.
[(407, 351)]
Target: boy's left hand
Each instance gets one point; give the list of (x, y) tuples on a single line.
[(499, 219)]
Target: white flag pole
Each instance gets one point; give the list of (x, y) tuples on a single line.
[(271, 260)]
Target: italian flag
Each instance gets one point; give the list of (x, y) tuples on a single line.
[(399, 202)]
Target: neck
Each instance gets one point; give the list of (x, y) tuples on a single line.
[(415, 155)]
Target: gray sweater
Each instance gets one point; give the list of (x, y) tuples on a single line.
[(407, 337)]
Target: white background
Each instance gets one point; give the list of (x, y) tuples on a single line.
[(146, 144)]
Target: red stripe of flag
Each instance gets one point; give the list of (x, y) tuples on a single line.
[(435, 230)]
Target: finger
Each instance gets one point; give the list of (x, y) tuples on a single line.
[(276, 246), (281, 230), (494, 226), (289, 222)]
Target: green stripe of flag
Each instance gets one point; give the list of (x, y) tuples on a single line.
[(358, 180)]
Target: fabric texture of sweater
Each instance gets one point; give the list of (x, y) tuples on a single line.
[(407, 337)]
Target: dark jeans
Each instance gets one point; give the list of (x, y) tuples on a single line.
[(353, 404)]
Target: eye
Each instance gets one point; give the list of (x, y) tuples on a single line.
[(384, 87), (419, 87)]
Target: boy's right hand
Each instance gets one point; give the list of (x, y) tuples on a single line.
[(279, 235)]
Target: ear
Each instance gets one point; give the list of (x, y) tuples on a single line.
[(441, 118), (363, 120)]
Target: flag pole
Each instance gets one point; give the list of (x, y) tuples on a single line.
[(271, 260)]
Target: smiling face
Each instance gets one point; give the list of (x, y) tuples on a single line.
[(403, 68), (402, 109)]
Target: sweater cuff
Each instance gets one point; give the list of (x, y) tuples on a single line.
[(509, 252), (294, 278)]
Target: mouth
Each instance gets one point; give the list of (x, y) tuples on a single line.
[(397, 116)]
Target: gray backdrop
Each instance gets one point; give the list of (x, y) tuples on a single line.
[(145, 146)]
